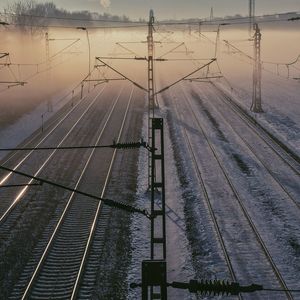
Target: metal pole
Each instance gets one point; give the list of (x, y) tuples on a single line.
[(72, 98), (217, 42), (158, 289), (42, 116), (150, 87), (256, 97), (81, 94), (200, 30), (251, 15), (48, 68), (89, 45), (89, 52)]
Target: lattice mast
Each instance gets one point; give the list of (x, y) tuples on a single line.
[(48, 67), (150, 86), (256, 97), (251, 15), (211, 14)]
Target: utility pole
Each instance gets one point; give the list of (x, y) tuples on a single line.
[(199, 30), (211, 13), (151, 91), (256, 97), (251, 15), (154, 271), (48, 67)]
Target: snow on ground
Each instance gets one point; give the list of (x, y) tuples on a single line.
[(178, 249), (268, 203), (280, 102), (12, 135)]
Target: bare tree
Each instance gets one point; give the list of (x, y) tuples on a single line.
[(31, 16), (24, 14)]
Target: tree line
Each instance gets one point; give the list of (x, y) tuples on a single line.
[(29, 15)]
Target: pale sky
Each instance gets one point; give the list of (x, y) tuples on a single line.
[(174, 8)]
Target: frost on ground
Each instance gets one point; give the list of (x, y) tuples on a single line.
[(178, 249), (268, 201), (14, 134), (280, 103)]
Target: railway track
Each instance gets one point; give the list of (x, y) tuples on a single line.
[(35, 207), (58, 272), (41, 159), (282, 151), (49, 126), (206, 197), (260, 153), (236, 197)]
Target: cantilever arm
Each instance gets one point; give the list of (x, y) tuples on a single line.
[(132, 81), (185, 77)]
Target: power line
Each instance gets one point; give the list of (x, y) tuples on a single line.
[(107, 202), (284, 64), (226, 21), (74, 27), (75, 19), (43, 62), (216, 22), (129, 145), (288, 65), (281, 290), (20, 185), (196, 22)]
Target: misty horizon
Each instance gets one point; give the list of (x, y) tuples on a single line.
[(170, 9)]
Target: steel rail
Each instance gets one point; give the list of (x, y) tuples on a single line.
[(22, 192), (35, 135), (252, 150), (242, 206), (93, 228), (62, 218), (3, 180), (267, 139), (206, 195)]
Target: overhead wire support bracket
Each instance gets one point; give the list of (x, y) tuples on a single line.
[(127, 49), (3, 55), (123, 58), (13, 83), (113, 69), (185, 77), (203, 78), (154, 59), (227, 43), (101, 81)]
